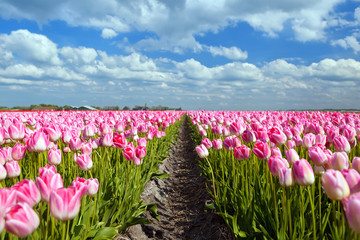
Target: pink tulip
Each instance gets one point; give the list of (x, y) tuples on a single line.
[(89, 131), (65, 203), (291, 156), (38, 142), (7, 199), (75, 144), (106, 140), (298, 141), (119, 141), (228, 143), (339, 161), (319, 170), (317, 155), (120, 126), (248, 136), (93, 186), (2, 136), (48, 169), (48, 183), (21, 220), (86, 148), (276, 152), (277, 136), (18, 151), (290, 144), (137, 161), (3, 172), (53, 132), (242, 152), (341, 144), (308, 140), (84, 162), (141, 142), (352, 177), (236, 128), (320, 139), (27, 191), (262, 135), (207, 143), (7, 153), (17, 131), (276, 163), (303, 172), (217, 144), (66, 136), (140, 152), (335, 185), (286, 177), (12, 169), (261, 150), (129, 152), (54, 156), (352, 208), (356, 163), (202, 151)]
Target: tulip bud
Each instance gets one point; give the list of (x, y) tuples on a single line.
[(207, 143), (352, 209), (352, 177), (12, 169), (261, 150), (54, 156), (339, 161), (202, 151), (242, 152), (65, 203), (341, 144), (140, 152), (335, 185), (286, 177), (217, 144), (276, 163), (84, 162), (317, 155), (18, 151), (303, 172), (291, 156)]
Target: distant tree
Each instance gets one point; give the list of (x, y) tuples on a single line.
[(126, 108)]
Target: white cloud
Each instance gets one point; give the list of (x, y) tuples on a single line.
[(30, 46), (170, 29), (348, 42), (108, 33), (78, 56), (232, 53)]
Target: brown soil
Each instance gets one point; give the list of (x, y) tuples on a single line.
[(181, 199)]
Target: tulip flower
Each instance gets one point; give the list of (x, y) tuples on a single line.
[(356, 163), (48, 169), (48, 183), (84, 162), (18, 151), (27, 191), (7, 199), (339, 161), (75, 144), (86, 148), (12, 169), (54, 156), (303, 172), (38, 142), (140, 152), (308, 140), (291, 156), (207, 143), (217, 144), (317, 155), (53, 132), (319, 170), (242, 152), (248, 136), (341, 144), (106, 140), (65, 203), (236, 128), (129, 152), (335, 185), (7, 153), (202, 151), (262, 150), (17, 131), (276, 163), (21, 220), (119, 141), (277, 136), (89, 130), (352, 208), (93, 186), (141, 142), (290, 144), (66, 136), (276, 152), (352, 177), (3, 172), (286, 177)]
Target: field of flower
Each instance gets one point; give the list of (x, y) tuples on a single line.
[(79, 175), (282, 175), (273, 175)]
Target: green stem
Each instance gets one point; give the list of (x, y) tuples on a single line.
[(289, 212), (213, 179), (312, 211), (274, 201)]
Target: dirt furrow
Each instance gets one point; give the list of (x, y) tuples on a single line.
[(181, 199)]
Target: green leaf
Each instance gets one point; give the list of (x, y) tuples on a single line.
[(105, 233), (210, 206), (133, 221), (159, 175)]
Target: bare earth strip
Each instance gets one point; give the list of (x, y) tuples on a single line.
[(181, 199)]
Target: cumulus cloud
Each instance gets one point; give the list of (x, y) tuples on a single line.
[(348, 42), (232, 53), (30, 46), (165, 19), (108, 33)]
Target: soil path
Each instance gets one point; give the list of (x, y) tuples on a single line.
[(181, 199)]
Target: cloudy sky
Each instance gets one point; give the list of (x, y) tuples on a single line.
[(194, 54)]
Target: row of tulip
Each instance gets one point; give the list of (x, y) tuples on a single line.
[(78, 175), (282, 175)]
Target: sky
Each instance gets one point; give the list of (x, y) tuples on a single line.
[(194, 54)]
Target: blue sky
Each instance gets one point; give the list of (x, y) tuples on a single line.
[(212, 55)]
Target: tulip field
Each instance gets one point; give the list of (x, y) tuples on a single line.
[(271, 175), (282, 175), (79, 175)]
